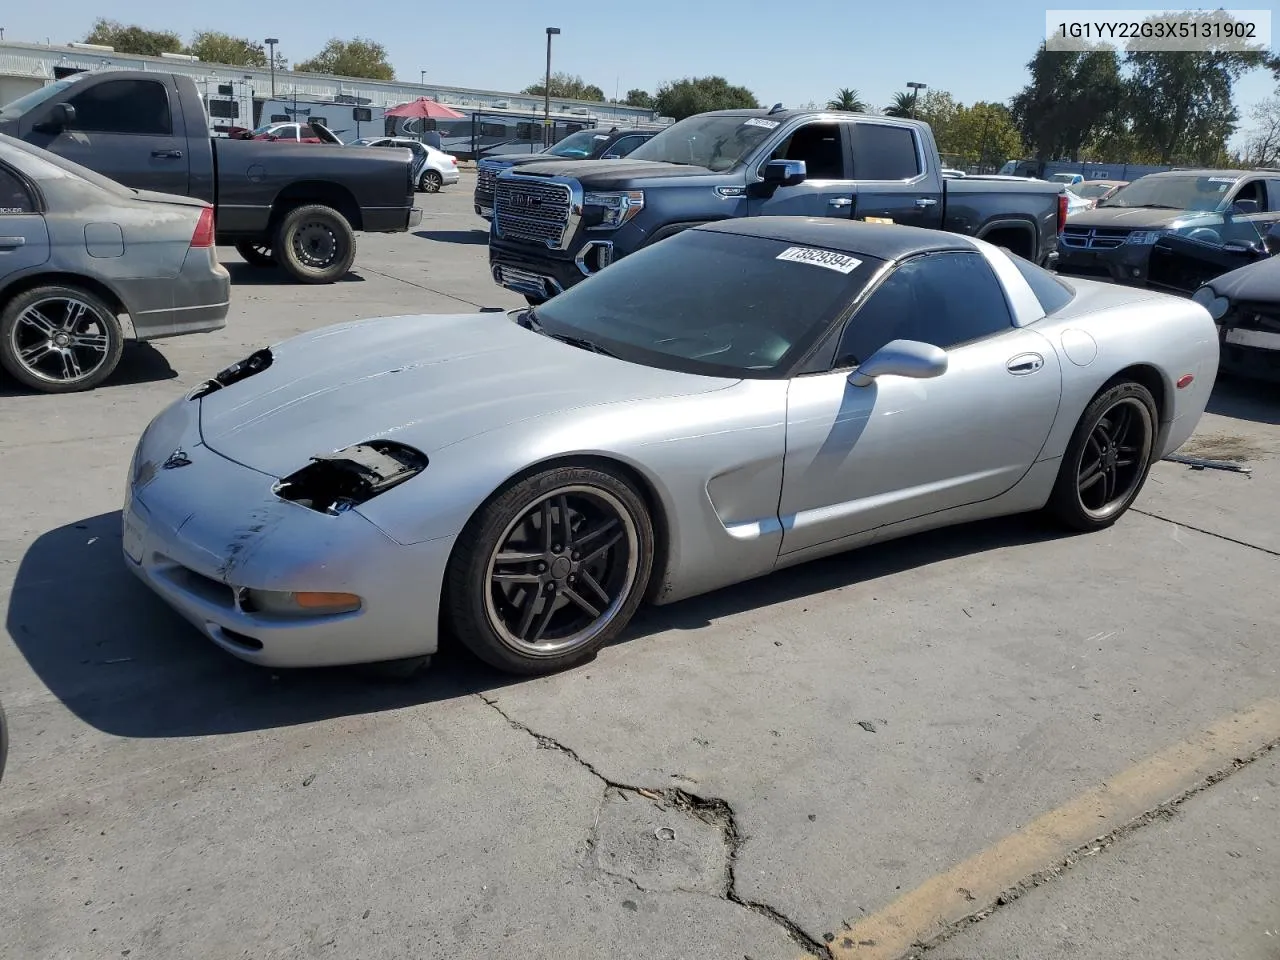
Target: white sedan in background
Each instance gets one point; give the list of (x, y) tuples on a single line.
[(432, 168)]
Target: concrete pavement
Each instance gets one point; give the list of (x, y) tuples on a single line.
[(749, 773)]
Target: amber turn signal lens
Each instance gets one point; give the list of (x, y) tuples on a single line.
[(326, 601)]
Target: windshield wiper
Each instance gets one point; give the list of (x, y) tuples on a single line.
[(529, 320)]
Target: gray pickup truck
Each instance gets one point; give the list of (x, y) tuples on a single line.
[(295, 204), (557, 222)]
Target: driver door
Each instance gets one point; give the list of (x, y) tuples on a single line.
[(859, 458), (827, 190)]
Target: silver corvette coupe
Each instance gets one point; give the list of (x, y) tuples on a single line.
[(738, 398)]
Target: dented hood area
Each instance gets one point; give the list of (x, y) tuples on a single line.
[(424, 381)]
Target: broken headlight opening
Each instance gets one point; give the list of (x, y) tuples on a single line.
[(336, 482), (256, 362)]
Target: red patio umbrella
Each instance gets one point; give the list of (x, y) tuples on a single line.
[(422, 107)]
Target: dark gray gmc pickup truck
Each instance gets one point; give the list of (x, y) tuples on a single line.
[(557, 222), (297, 205)]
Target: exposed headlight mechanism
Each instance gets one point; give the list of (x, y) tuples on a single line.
[(608, 210), (256, 362), (335, 482), (1208, 298)]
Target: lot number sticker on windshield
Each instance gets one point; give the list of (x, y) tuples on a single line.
[(1222, 179), (759, 122), (830, 259)]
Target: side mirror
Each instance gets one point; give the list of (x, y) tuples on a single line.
[(1242, 208), (901, 358), (784, 173), (62, 116)]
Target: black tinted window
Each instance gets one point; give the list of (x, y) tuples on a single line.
[(884, 153), (124, 106), (625, 145), (945, 299), (1052, 293), (14, 196), (712, 303)]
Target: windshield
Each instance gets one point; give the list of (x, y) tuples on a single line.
[(36, 97), (711, 303), (1173, 193), (1091, 191), (577, 145), (715, 141)]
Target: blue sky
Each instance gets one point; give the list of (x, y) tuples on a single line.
[(789, 53)]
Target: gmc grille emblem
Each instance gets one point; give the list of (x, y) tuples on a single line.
[(525, 201)]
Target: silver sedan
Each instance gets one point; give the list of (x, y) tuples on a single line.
[(741, 397), (86, 264)]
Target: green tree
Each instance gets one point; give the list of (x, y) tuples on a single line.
[(130, 38), (217, 47), (693, 95), (1180, 101), (360, 57), (901, 106), (1072, 97), (639, 98), (847, 100), (567, 86), (940, 111), (983, 134)]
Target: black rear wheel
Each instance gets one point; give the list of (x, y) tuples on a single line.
[(1108, 458), (255, 253), (431, 182)]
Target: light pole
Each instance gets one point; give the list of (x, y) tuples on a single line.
[(915, 92), (422, 78), (271, 45), (546, 92)]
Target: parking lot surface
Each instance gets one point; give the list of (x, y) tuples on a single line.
[(1068, 737)]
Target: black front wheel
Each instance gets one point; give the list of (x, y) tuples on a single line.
[(315, 244), (1108, 458), (550, 570)]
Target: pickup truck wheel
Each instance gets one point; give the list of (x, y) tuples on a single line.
[(255, 253), (315, 244), (431, 182), (59, 339)]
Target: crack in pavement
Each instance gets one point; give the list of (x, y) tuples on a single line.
[(420, 286), (710, 810), (1208, 533)]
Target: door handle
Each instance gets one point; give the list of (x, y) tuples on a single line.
[(841, 202), (167, 154), (1025, 363), (926, 202), (10, 243)]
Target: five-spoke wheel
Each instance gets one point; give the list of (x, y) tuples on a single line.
[(1108, 459), (551, 569), (59, 339)]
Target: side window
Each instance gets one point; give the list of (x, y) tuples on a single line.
[(1252, 191), (305, 131), (1273, 195), (14, 195), (625, 145), (819, 146), (945, 299), (883, 152), (124, 106)]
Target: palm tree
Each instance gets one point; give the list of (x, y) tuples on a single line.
[(902, 105), (848, 101)]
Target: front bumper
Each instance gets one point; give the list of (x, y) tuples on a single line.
[(1126, 263), (201, 534), (197, 300), (1249, 352), (527, 270)]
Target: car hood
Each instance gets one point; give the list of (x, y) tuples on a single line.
[(427, 381), (512, 159), (603, 174), (1257, 282), (1133, 218)]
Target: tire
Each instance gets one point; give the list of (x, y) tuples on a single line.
[(1080, 498), (315, 244), (499, 607), (431, 182), (256, 253), (65, 320)]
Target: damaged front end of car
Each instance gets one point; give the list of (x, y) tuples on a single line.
[(334, 483)]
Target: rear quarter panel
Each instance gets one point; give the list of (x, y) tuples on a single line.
[(252, 175), (1131, 328)]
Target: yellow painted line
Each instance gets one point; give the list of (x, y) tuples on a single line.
[(973, 887)]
